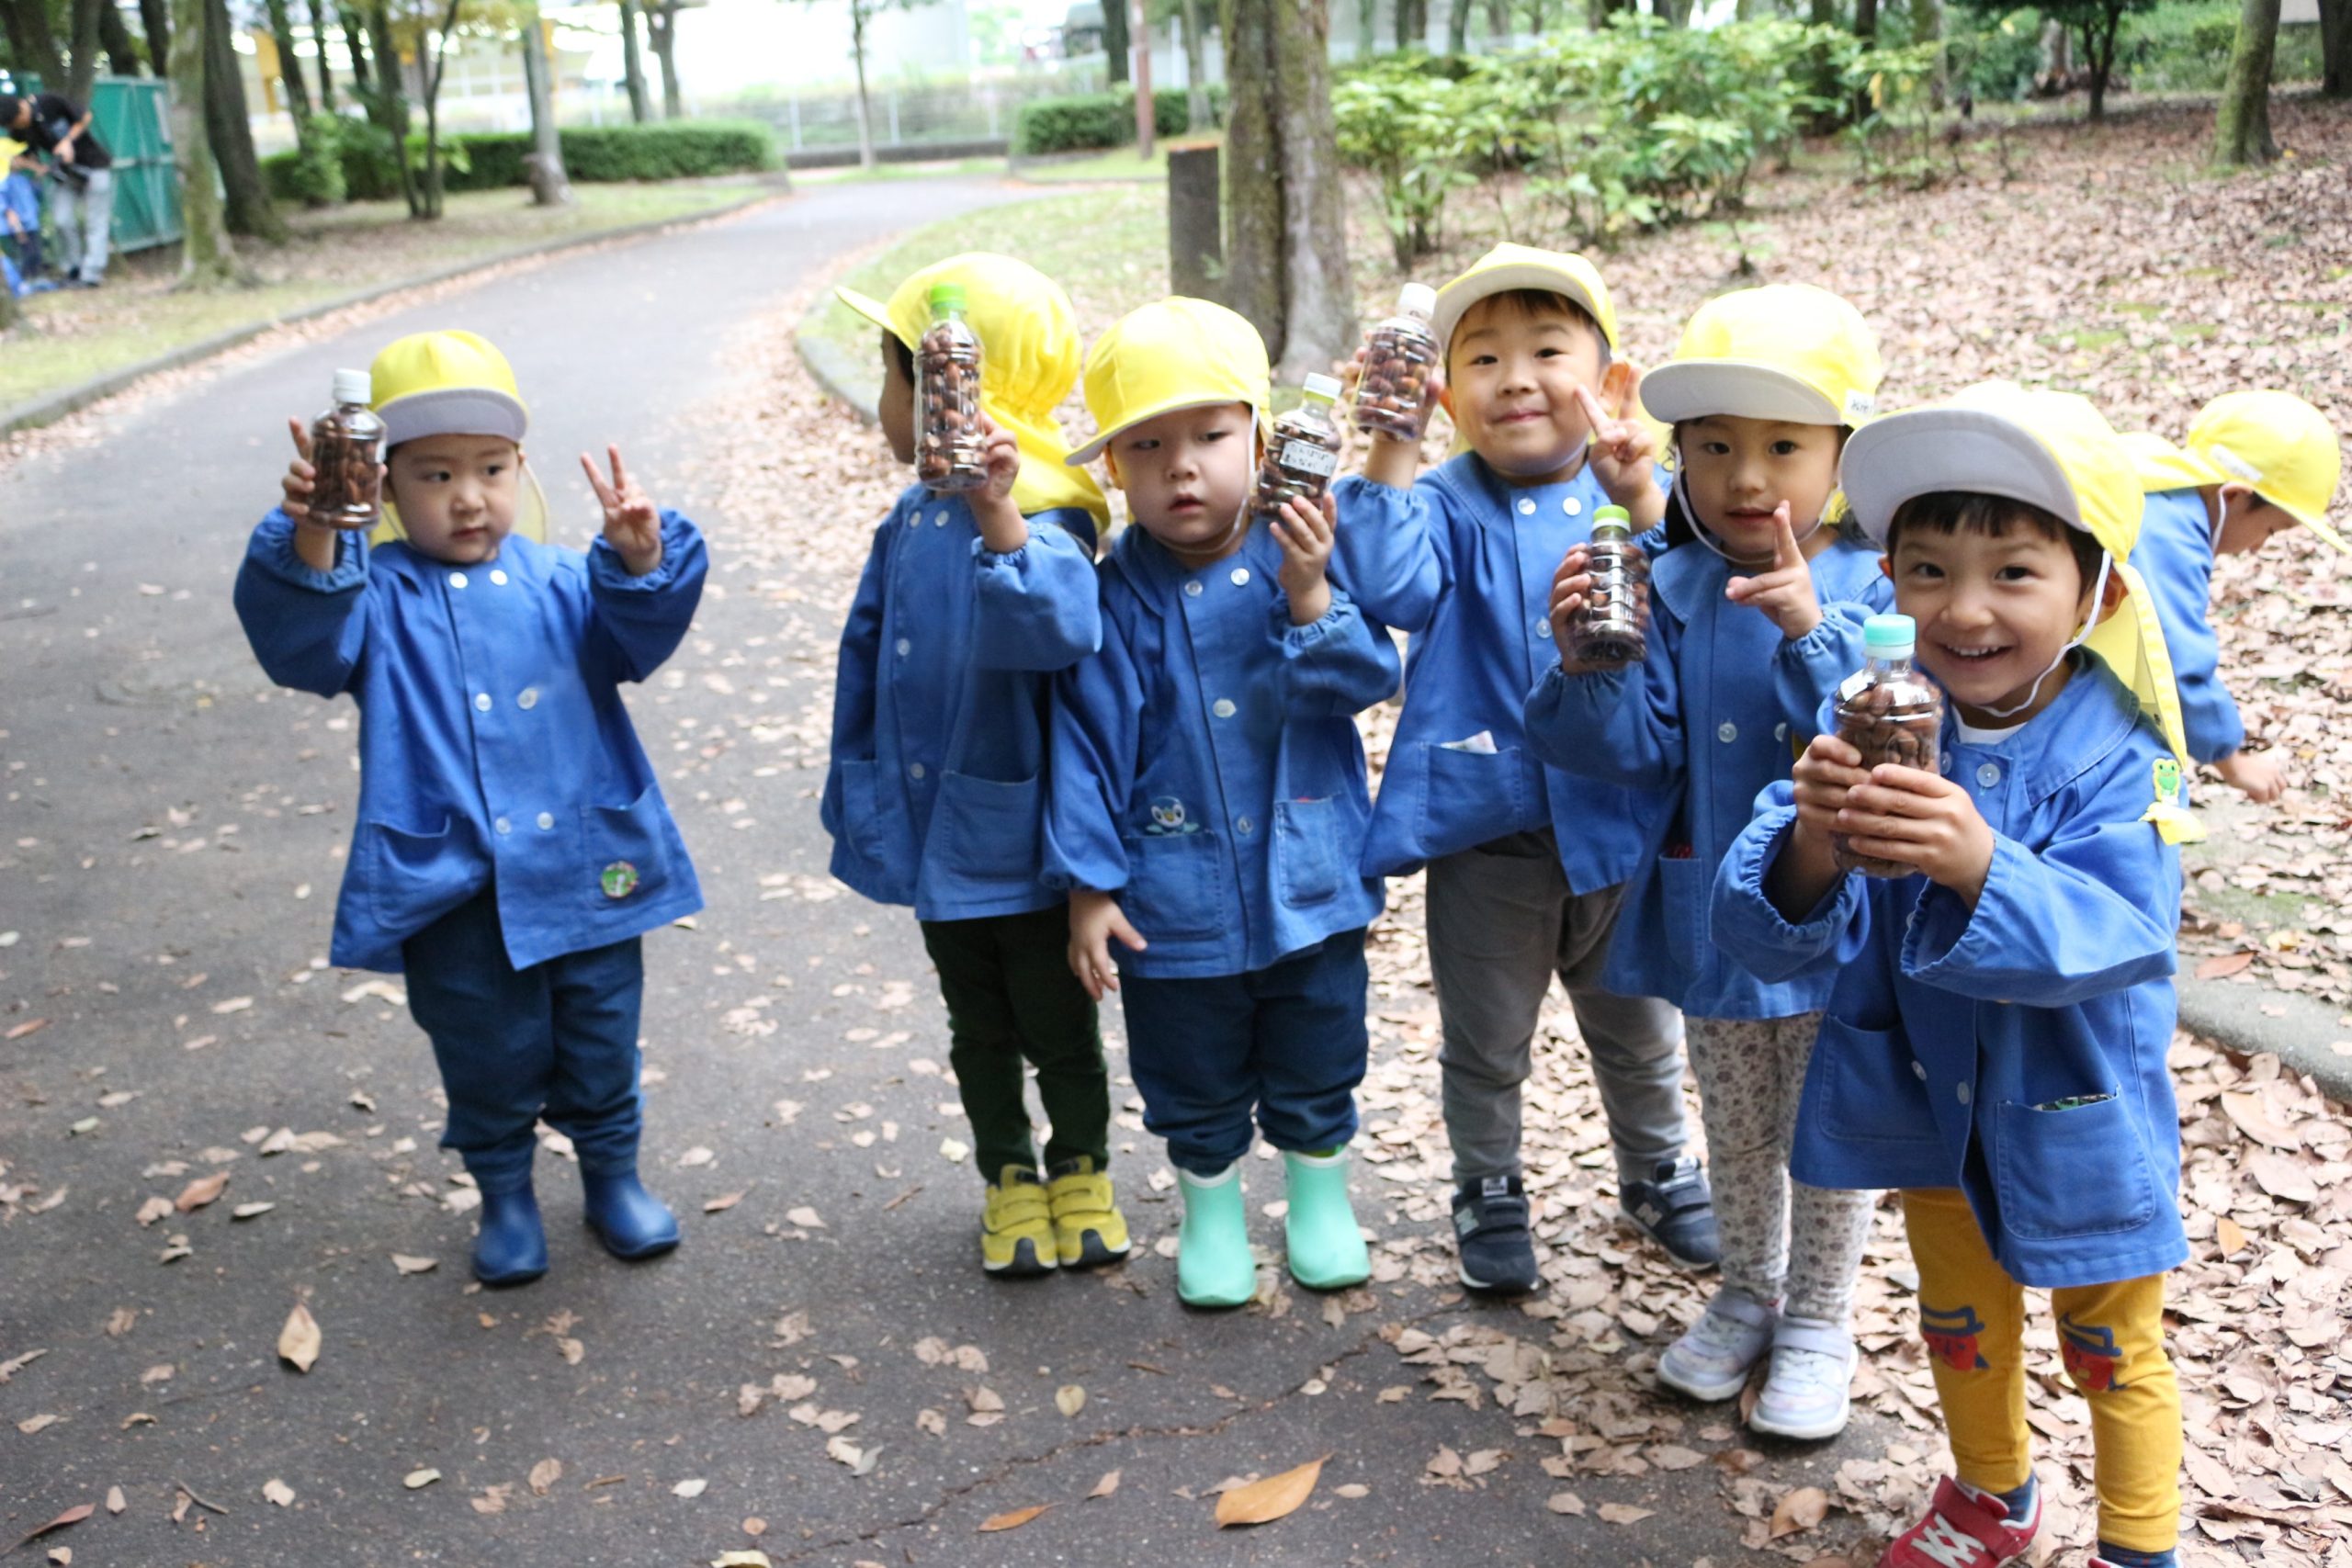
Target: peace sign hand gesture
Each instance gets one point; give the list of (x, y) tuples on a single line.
[(1623, 454), (1785, 591), (632, 523)]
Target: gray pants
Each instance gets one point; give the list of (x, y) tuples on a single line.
[(84, 222), (1501, 923)]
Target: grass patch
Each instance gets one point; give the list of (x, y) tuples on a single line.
[(850, 174), (1108, 248), (74, 336)]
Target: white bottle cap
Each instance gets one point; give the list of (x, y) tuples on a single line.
[(1417, 300), (353, 386), (1323, 387)]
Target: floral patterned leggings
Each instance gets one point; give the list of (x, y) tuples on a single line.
[(1781, 1238)]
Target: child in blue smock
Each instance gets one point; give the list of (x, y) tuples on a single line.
[(511, 845), (1527, 865), (2256, 463), (937, 789), (1997, 1022), (20, 206), (1752, 627), (1209, 799)]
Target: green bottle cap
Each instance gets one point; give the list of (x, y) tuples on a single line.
[(946, 298), (1613, 520)]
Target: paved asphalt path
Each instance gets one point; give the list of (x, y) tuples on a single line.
[(163, 814)]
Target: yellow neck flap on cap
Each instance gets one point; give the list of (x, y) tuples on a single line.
[(1029, 355), (453, 383)]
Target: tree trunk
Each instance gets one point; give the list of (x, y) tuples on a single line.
[(122, 55), (2335, 49), (1115, 42), (2242, 120), (1367, 27), (388, 105), (1198, 116), (1457, 27), (290, 70), (2099, 37), (640, 104), (250, 209), (82, 69), (1497, 19), (1285, 248), (550, 184), (208, 259), (661, 28), (859, 12), (32, 43), (1412, 22), (355, 45), (319, 37), (155, 21), (432, 62)]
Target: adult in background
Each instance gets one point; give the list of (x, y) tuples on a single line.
[(81, 171)]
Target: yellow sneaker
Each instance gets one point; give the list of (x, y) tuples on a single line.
[(1017, 1230), (1089, 1229)]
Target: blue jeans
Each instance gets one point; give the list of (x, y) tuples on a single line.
[(557, 1040), (1287, 1041)]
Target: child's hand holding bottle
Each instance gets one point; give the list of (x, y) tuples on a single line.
[(632, 523), (1306, 533)]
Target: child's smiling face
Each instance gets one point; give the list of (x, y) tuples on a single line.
[(1994, 610), (1187, 475), (457, 494), (1513, 368), (1737, 469)]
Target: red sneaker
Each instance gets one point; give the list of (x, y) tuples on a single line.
[(1964, 1528)]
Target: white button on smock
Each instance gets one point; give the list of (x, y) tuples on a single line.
[(1571, 505), (482, 701), (1246, 827), (1222, 707), (547, 820), (914, 770), (1988, 774), (504, 825), (1527, 506), (1726, 731), (1192, 589), (528, 698), (499, 578), (456, 579)]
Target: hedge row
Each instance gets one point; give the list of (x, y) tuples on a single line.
[(493, 160), (1091, 121)]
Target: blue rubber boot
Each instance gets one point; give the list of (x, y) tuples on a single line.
[(1326, 1250), (629, 1221), (1213, 1267), (512, 1246)]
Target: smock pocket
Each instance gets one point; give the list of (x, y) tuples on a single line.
[(2080, 1170), (412, 876), (865, 819), (1468, 798), (1175, 886), (1316, 847), (1685, 884), (985, 829), (627, 849), (1871, 1090)]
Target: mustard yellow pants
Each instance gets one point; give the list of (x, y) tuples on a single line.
[(1972, 1317)]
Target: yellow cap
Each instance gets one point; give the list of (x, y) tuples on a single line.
[(2053, 451), (1178, 353), (2163, 465), (2278, 445), (10, 150), (1788, 352), (447, 383), (452, 383), (1029, 355), (1507, 267)]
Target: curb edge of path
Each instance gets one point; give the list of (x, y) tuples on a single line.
[(829, 367), (2302, 1033), (51, 407)]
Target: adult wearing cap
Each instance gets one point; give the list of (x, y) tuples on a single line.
[(2256, 463), (81, 173), (510, 845), (1996, 1036)]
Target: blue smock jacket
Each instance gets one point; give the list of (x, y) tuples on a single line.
[(20, 194), (2175, 555), (937, 787), (1465, 563), (1205, 763), (2016, 1052), (492, 738), (1718, 708)]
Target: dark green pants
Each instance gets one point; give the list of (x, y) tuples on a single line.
[(1012, 1004)]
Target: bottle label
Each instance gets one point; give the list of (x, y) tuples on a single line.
[(1306, 458)]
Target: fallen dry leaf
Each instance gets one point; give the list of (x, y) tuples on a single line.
[(300, 1341), (804, 1217), (1106, 1486), (544, 1474), (1069, 1399), (741, 1560), (416, 1480), (201, 1192), (689, 1488), (721, 1203), (1565, 1503), (404, 1264), (30, 1026), (156, 1208), (1013, 1519), (277, 1492), (32, 1424), (115, 1501), (1799, 1511), (73, 1515), (2222, 965), (1263, 1502), (1623, 1513)]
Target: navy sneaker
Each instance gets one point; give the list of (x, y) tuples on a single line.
[(1497, 1250), (1676, 1210)]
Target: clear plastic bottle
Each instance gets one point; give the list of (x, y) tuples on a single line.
[(1890, 713), (1610, 629), (1304, 452), (347, 453), (949, 447), (1398, 356)]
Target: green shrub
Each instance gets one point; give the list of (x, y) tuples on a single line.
[(1995, 62), (362, 151), (493, 160), (316, 174), (1086, 122)]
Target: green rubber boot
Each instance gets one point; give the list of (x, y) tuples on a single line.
[(1326, 1250), (1213, 1267)]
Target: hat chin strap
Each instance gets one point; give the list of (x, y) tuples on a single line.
[(2099, 592), (1705, 534)]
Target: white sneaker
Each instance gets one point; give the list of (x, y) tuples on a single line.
[(1806, 1393), (1712, 1361)]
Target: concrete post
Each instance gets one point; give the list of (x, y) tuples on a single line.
[(1196, 224)]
